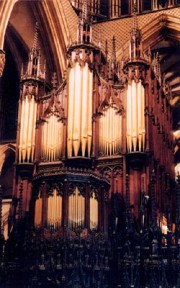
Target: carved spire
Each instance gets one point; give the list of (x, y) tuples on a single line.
[(84, 33), (136, 64), (135, 21), (113, 55), (33, 67), (85, 10), (112, 61), (35, 42), (135, 39)]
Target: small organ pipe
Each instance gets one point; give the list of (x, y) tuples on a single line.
[(70, 111), (77, 109), (89, 130), (135, 132), (84, 109)]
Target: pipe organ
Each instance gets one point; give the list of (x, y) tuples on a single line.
[(93, 201), (79, 142)]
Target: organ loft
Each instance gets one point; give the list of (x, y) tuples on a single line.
[(90, 189)]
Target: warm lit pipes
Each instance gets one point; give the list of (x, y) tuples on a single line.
[(54, 213), (79, 131), (27, 129), (52, 135), (110, 131), (76, 217), (135, 132), (93, 211)]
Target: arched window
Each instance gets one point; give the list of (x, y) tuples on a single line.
[(146, 5), (125, 7)]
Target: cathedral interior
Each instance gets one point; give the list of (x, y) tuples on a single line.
[(90, 143)]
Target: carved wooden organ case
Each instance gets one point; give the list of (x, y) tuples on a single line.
[(98, 132)]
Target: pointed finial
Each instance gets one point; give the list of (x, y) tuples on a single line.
[(35, 42), (85, 10), (106, 48), (113, 48), (135, 22)]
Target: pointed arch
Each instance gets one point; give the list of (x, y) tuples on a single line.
[(58, 22), (6, 151)]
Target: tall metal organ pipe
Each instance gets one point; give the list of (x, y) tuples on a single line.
[(135, 131), (79, 129)]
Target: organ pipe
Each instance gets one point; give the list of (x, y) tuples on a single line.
[(54, 215), (110, 132), (93, 212), (79, 138), (135, 131), (89, 130), (77, 109), (27, 129), (76, 215), (84, 111), (38, 212), (52, 135)]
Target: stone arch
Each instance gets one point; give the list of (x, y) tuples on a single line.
[(6, 151), (58, 26)]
